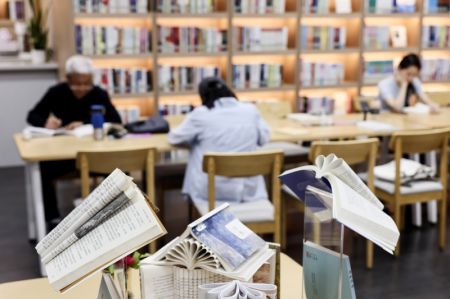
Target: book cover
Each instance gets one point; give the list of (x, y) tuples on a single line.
[(321, 273)]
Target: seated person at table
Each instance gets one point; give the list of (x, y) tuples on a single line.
[(221, 124), (403, 88), (68, 105)]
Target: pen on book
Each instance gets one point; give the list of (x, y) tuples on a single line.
[(89, 225)]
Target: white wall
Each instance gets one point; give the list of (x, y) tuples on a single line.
[(20, 90)]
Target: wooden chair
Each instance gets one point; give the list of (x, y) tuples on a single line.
[(421, 191), (104, 162), (265, 215), (353, 152)]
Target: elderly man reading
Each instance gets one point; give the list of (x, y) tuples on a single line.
[(68, 104)]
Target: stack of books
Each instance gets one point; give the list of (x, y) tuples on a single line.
[(98, 40), (321, 74), (316, 105), (374, 71), (183, 78), (323, 37), (259, 7), (129, 114), (120, 81), (191, 39), (110, 6), (391, 6), (261, 39), (436, 6), (323, 6), (16, 10), (376, 37), (436, 36), (185, 6), (257, 75), (435, 69), (175, 109)]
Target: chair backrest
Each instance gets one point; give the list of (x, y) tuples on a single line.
[(244, 164), (104, 162), (421, 141), (352, 151)]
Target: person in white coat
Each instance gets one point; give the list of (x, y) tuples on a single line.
[(221, 124)]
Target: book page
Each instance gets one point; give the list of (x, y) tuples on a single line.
[(340, 168), (132, 226), (358, 214), (157, 281), (115, 183)]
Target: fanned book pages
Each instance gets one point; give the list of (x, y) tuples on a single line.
[(36, 132), (237, 290), (113, 221), (215, 248), (353, 204)]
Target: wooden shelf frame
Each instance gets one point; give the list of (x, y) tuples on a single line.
[(293, 18)]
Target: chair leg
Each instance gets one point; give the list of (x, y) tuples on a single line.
[(397, 219), (283, 223), (369, 254), (402, 218), (442, 222), (152, 247)]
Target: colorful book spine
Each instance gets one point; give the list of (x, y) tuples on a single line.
[(376, 70), (122, 81), (260, 6), (436, 36), (257, 75), (185, 6), (435, 69), (376, 37), (323, 37), (175, 109), (110, 6), (183, 78), (129, 114), (321, 74), (255, 39), (191, 39)]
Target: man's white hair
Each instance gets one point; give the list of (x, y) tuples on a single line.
[(79, 64)]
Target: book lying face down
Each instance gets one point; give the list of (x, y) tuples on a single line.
[(112, 222), (215, 248), (352, 202)]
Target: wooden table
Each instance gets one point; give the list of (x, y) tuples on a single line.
[(66, 147), (291, 285)]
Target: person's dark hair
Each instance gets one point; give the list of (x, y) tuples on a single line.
[(410, 60), (212, 89)]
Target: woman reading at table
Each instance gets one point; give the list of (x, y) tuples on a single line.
[(221, 124), (404, 88)]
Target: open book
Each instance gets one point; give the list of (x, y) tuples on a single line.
[(113, 221), (218, 243), (353, 204), (36, 132), (237, 290)]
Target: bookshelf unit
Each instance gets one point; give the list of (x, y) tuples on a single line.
[(225, 16)]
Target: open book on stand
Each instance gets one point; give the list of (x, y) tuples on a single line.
[(219, 245), (112, 222), (353, 204)]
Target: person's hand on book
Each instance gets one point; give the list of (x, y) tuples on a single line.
[(73, 125), (53, 122)]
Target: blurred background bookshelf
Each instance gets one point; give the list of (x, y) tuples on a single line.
[(279, 50)]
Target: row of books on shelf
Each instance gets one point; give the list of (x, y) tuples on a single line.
[(435, 69), (324, 6), (436, 36), (121, 81), (323, 37), (257, 75), (260, 6), (16, 10), (384, 37), (90, 40), (175, 109), (436, 6), (129, 114), (191, 39), (261, 39), (185, 6), (110, 6), (183, 78), (390, 6), (376, 70), (321, 74)]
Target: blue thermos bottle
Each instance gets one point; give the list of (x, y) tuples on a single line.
[(97, 120)]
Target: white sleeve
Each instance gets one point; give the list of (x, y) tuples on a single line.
[(418, 86), (187, 131), (385, 91), (263, 130)]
